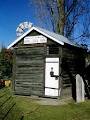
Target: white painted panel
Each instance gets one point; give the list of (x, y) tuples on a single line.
[(35, 39), (52, 60), (51, 92), (51, 82)]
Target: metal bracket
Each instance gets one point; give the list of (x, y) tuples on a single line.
[(52, 74)]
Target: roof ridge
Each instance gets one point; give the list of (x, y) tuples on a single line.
[(50, 34)]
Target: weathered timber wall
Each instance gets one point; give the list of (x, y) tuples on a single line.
[(29, 78), (29, 67), (73, 62)]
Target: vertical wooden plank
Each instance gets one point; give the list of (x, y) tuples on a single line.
[(60, 69), (14, 70)]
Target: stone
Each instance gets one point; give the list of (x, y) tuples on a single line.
[(80, 91)]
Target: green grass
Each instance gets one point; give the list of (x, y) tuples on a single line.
[(8, 107), (31, 110), (72, 111)]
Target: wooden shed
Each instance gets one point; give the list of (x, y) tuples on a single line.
[(45, 64)]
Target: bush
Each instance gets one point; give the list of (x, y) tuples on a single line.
[(5, 63)]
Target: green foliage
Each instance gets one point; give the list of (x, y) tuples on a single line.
[(5, 63)]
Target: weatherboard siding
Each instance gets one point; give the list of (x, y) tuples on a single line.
[(29, 67), (73, 63), (29, 76)]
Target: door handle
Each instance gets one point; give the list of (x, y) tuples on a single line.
[(52, 74)]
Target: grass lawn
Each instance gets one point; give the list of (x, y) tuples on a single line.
[(72, 111), (31, 110)]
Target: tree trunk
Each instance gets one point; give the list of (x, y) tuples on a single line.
[(61, 22)]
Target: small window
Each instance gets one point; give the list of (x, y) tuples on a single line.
[(52, 49)]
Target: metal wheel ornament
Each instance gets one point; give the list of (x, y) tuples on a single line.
[(22, 28)]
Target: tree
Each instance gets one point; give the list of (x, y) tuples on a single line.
[(65, 17), (5, 63)]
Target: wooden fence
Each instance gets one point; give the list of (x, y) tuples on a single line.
[(8, 107)]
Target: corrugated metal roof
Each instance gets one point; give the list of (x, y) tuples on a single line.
[(58, 37), (55, 37)]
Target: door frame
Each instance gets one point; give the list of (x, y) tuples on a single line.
[(59, 86)]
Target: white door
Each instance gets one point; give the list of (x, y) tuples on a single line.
[(52, 82)]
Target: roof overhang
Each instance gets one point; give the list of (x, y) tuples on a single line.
[(36, 29)]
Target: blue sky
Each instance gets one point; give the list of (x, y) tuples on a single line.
[(12, 13)]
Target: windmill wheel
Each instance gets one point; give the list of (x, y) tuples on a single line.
[(22, 28)]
